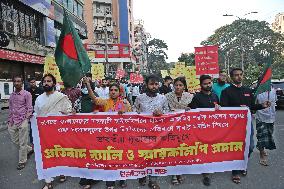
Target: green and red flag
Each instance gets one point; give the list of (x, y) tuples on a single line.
[(70, 55), (264, 82)]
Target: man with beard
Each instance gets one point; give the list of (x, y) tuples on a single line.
[(205, 99), (237, 95), (20, 111), (221, 84), (103, 91), (51, 102), (151, 102)]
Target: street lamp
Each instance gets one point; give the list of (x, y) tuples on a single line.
[(240, 18)]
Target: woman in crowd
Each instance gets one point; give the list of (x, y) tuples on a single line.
[(179, 99), (115, 103)]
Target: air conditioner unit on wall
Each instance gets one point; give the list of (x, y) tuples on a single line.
[(9, 27)]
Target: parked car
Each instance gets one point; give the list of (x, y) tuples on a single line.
[(279, 86)]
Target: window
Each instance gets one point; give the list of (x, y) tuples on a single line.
[(28, 23), (98, 8), (65, 3), (80, 11), (6, 89), (71, 5), (76, 8)]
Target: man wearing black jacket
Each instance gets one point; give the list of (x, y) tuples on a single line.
[(205, 99), (237, 95)]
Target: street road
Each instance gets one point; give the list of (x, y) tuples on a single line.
[(259, 177)]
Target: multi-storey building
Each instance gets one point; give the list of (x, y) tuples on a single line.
[(278, 24), (28, 32), (140, 46), (110, 26)]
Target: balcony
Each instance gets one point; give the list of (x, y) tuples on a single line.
[(101, 12)]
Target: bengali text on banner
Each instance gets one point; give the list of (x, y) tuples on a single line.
[(107, 146)]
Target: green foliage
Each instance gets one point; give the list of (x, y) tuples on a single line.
[(254, 39), (157, 56), (188, 58)]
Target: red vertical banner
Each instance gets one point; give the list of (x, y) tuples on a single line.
[(206, 61)]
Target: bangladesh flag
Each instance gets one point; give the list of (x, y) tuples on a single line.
[(264, 82), (70, 55)]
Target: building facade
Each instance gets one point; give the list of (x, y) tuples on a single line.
[(278, 24), (140, 46), (28, 33), (111, 31)]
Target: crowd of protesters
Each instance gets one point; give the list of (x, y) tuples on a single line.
[(153, 96)]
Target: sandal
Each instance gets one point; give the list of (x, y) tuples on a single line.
[(236, 179), (48, 186), (153, 185), (123, 183), (62, 178), (110, 187), (21, 166), (180, 179), (263, 162), (175, 180), (142, 181), (87, 187), (244, 172)]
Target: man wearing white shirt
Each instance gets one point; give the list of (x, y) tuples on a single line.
[(103, 91), (51, 102)]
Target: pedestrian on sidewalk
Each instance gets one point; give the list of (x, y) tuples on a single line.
[(20, 112), (152, 102), (237, 95), (265, 119), (205, 99), (51, 102)]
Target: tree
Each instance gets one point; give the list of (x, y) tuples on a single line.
[(157, 56), (250, 40), (188, 58)]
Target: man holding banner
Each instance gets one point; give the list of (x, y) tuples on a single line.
[(205, 99), (155, 103), (51, 102), (237, 95)]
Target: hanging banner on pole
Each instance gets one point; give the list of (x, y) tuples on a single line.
[(108, 146), (206, 61)]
